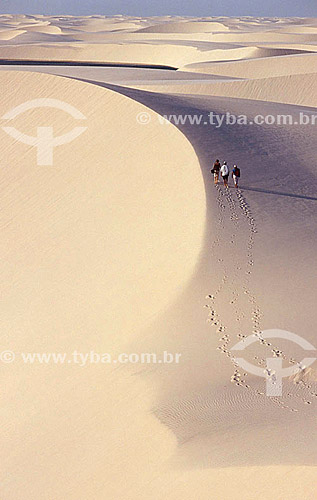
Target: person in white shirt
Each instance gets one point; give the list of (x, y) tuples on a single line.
[(224, 171)]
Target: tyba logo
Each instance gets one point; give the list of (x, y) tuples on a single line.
[(45, 140), (274, 371)]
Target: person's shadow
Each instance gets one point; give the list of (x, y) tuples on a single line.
[(268, 191)]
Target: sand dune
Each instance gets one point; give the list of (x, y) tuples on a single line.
[(242, 53), (70, 215), (186, 27), (189, 403), (176, 42), (299, 29), (109, 26), (10, 34), (283, 89), (29, 37), (55, 30), (119, 75), (264, 37), (260, 68), (120, 242), (93, 25), (104, 52), (178, 55), (64, 89)]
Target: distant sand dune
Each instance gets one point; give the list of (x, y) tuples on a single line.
[(55, 30), (170, 54), (260, 68), (107, 52), (186, 27), (283, 89), (271, 36), (241, 54), (299, 29), (10, 34)]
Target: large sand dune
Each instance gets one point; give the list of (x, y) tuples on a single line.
[(100, 149), (120, 242), (70, 216)]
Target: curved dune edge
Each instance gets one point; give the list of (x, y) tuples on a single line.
[(264, 67), (175, 53), (186, 27), (147, 52), (108, 175), (181, 55), (240, 53), (136, 53), (299, 29), (10, 34), (283, 89), (109, 26), (51, 30), (95, 246), (264, 37)]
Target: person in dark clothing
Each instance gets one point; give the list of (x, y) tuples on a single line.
[(215, 170)]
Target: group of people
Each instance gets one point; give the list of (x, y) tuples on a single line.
[(224, 171)]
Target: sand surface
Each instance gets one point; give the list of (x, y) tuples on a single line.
[(120, 242)]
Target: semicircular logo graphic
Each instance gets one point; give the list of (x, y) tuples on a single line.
[(274, 371), (44, 141)]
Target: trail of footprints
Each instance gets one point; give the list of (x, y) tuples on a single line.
[(225, 198)]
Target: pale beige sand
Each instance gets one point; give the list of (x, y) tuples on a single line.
[(299, 29), (177, 55), (136, 53), (128, 76), (55, 30), (101, 25), (121, 52), (98, 148), (117, 246), (241, 53), (260, 68), (265, 37), (148, 36), (194, 397), (69, 223), (283, 89), (186, 27), (10, 34)]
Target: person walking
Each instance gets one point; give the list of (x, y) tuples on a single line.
[(225, 173), (215, 170), (236, 175)]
